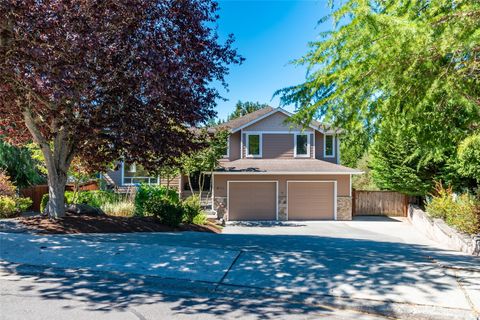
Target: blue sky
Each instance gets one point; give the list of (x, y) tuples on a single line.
[(268, 34)]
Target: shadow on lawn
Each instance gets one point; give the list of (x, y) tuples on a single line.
[(294, 265)]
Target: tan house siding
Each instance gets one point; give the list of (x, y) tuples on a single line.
[(234, 151), (319, 149), (274, 122), (277, 146)]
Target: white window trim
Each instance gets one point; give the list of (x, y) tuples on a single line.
[(248, 155), (325, 144), (307, 155), (227, 156), (133, 184)]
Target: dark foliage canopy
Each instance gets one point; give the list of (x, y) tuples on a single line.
[(106, 79)]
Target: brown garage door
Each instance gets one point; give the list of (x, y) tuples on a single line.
[(311, 200), (252, 200)]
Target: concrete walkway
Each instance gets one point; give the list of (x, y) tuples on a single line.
[(373, 265)]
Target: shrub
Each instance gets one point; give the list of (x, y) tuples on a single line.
[(7, 207), (466, 216), (461, 212), (146, 193), (6, 186), (200, 218), (11, 206), (96, 198), (167, 211), (192, 211), (120, 208), (22, 204), (441, 202), (44, 202)]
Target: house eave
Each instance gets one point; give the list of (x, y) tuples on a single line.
[(283, 173)]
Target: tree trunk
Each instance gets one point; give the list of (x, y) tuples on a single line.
[(201, 182), (56, 196), (58, 154), (210, 188), (190, 184)]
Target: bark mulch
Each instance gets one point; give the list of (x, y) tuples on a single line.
[(107, 224)]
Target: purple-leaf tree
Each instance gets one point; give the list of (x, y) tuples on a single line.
[(102, 80)]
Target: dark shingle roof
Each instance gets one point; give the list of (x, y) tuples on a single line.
[(238, 122), (283, 166)]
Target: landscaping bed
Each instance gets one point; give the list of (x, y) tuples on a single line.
[(107, 224)]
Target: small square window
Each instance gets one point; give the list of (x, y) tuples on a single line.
[(253, 144), (329, 146)]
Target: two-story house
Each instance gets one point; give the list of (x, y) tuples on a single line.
[(273, 171)]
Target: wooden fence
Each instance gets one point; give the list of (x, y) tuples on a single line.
[(384, 203), (36, 192)]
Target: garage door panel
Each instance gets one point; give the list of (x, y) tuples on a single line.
[(311, 200), (252, 201)]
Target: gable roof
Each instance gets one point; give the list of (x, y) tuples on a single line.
[(247, 120), (241, 121)]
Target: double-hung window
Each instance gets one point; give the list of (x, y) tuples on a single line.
[(302, 145), (254, 145), (329, 146)]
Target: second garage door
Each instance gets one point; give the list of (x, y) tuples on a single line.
[(252, 200), (311, 200)]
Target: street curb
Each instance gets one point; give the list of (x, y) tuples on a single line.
[(175, 286)]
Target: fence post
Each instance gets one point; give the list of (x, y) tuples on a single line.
[(353, 202), (405, 205)]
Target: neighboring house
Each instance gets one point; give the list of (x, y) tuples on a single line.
[(125, 178), (271, 171), (276, 171)]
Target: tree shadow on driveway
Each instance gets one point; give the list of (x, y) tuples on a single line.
[(293, 265)]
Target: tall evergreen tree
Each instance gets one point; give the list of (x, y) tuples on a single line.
[(418, 61)]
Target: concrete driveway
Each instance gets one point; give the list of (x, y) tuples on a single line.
[(371, 264)]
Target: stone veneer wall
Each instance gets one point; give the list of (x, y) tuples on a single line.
[(220, 206), (282, 208), (344, 208)]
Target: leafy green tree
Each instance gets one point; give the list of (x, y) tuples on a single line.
[(417, 61), (168, 172), (469, 157), (204, 161), (393, 165), (19, 165), (364, 181), (244, 108)]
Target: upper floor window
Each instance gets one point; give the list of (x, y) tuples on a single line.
[(254, 145), (226, 148), (302, 145), (136, 174), (329, 146)]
